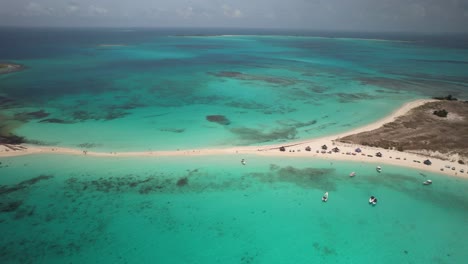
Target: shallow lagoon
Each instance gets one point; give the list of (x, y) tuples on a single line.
[(155, 90), (214, 210)]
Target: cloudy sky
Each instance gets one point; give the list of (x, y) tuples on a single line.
[(360, 15)]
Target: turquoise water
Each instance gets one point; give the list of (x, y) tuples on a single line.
[(214, 210), (156, 90)]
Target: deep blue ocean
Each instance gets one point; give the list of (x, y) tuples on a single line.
[(113, 89)]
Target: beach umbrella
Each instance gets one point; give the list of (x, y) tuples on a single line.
[(427, 162), (324, 147), (358, 150)]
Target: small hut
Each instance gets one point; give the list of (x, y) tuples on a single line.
[(378, 154), (336, 150), (282, 149), (427, 162), (307, 148)]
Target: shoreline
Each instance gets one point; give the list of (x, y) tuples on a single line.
[(292, 149), (6, 67)]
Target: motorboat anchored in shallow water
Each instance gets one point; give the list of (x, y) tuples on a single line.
[(243, 162), (325, 197), (373, 200), (427, 182), (379, 169), (352, 174)]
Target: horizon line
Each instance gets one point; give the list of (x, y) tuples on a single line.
[(309, 30)]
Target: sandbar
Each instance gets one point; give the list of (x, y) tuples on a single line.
[(292, 149), (10, 67)]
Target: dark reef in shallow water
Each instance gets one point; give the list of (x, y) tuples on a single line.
[(351, 97), (173, 130), (7, 207), (6, 102), (22, 185), (220, 119), (26, 116), (252, 135), (55, 121), (11, 197), (115, 115), (82, 115), (107, 114), (35, 180), (313, 178), (88, 145), (182, 181), (250, 77), (12, 139)]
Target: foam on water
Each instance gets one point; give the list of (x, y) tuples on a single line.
[(215, 210)]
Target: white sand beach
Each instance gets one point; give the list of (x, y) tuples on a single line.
[(292, 149)]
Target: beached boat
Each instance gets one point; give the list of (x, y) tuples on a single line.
[(379, 169), (427, 182), (373, 200), (325, 197), (352, 174)]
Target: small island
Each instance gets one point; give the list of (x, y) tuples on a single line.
[(436, 129), (111, 45), (6, 67)]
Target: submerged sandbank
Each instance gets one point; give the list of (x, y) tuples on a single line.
[(305, 148)]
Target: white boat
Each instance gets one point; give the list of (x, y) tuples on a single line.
[(427, 182), (352, 174), (243, 162), (372, 200), (379, 169), (325, 197)]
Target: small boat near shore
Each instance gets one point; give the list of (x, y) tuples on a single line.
[(373, 200), (379, 169), (325, 197), (243, 162), (352, 174), (427, 182)]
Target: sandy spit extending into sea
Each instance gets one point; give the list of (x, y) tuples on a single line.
[(292, 149)]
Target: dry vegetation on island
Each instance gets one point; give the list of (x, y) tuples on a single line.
[(424, 130)]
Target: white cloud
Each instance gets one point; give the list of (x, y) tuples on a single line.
[(378, 15), (231, 12), (96, 10), (417, 10), (35, 9), (185, 13), (72, 8)]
